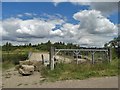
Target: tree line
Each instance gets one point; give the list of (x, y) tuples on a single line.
[(41, 46), (59, 45)]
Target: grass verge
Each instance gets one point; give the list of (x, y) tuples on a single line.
[(81, 71)]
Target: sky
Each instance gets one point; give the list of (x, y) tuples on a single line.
[(83, 23)]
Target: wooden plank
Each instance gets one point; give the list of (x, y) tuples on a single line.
[(81, 49)]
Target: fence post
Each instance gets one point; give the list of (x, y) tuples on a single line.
[(93, 60), (77, 58), (52, 52), (110, 54), (42, 59), (29, 55)]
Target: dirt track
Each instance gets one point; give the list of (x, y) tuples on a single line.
[(37, 56), (14, 80)]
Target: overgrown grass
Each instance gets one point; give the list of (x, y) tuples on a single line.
[(7, 65), (81, 71), (14, 57), (11, 59)]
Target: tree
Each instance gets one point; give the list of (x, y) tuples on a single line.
[(30, 44), (8, 47)]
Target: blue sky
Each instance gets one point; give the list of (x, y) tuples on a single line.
[(66, 9), (91, 24)]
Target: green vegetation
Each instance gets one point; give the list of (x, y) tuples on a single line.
[(81, 71), (14, 57), (8, 47), (7, 65), (11, 55), (11, 59)]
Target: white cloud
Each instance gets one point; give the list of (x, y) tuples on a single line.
[(70, 30), (15, 29), (34, 28), (19, 15), (94, 22), (28, 14), (98, 29), (76, 2), (57, 32), (93, 29), (2, 32), (106, 7)]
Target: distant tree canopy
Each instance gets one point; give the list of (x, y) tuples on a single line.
[(7, 47), (41, 46), (59, 45), (113, 43)]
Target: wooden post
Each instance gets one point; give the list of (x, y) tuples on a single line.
[(29, 55), (76, 53), (107, 55), (42, 59), (103, 56), (52, 52), (64, 56), (93, 61), (110, 54), (77, 58)]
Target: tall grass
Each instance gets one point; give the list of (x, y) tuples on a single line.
[(81, 71), (11, 59), (14, 57), (7, 65)]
